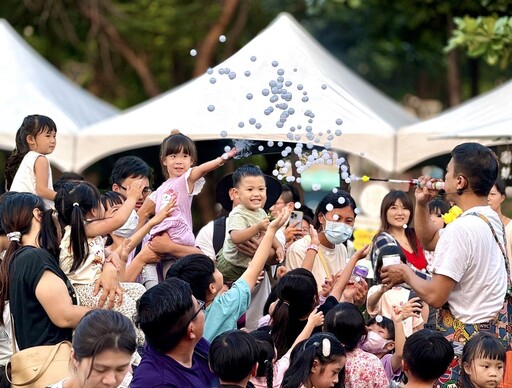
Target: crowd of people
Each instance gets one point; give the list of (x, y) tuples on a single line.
[(271, 294)]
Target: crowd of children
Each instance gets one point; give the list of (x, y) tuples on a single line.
[(278, 303)]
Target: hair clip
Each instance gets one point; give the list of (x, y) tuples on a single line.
[(326, 347)]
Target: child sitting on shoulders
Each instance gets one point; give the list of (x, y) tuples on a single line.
[(245, 221)]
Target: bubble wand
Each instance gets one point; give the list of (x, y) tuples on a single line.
[(433, 185)]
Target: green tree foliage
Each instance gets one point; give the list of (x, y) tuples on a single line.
[(489, 37)]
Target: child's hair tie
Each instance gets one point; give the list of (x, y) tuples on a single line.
[(76, 204)]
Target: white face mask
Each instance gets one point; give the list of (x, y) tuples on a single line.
[(337, 232), (374, 343), (128, 229)]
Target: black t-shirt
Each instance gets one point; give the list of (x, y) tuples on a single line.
[(31, 322)]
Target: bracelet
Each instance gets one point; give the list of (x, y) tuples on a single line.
[(313, 247)]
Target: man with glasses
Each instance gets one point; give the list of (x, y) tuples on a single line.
[(129, 169), (176, 354)]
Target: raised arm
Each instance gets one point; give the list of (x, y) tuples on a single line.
[(203, 169), (342, 281), (242, 235), (427, 233), (260, 257)]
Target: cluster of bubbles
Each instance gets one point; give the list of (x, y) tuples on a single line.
[(193, 52)]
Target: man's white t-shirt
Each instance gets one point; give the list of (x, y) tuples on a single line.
[(468, 253)]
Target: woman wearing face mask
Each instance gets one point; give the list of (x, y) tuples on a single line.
[(329, 245)]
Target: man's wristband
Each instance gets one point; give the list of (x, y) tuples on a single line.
[(313, 247)]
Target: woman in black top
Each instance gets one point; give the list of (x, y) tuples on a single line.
[(40, 296)]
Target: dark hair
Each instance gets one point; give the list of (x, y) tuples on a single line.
[(66, 177), (2, 199), (164, 312), (130, 166), (112, 198), (17, 215), (480, 345), (390, 249), (384, 323), (346, 322), (478, 164), (500, 186), (297, 294), (290, 193), (308, 213), (101, 330), (438, 206), (266, 355), (232, 355), (32, 125), (333, 198), (72, 202), (197, 270), (306, 353), (245, 171), (175, 143), (427, 354), (388, 201)]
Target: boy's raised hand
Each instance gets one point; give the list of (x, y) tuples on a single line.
[(263, 224)]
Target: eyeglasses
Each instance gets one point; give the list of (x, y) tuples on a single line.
[(201, 308), (145, 190)]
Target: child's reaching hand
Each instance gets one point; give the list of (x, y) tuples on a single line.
[(328, 286), (280, 220), (411, 309), (280, 254), (164, 212), (362, 252), (316, 318), (134, 190), (229, 155)]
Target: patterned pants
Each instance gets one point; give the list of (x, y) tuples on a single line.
[(459, 333), (133, 292)]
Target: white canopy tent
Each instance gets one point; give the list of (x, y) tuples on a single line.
[(333, 92), (31, 85), (487, 117)]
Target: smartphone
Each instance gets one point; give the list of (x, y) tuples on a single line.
[(412, 294), (296, 217)]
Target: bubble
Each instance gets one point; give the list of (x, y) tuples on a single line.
[(232, 75), (361, 154), (280, 163), (275, 63), (309, 145), (356, 210), (284, 170), (227, 149), (223, 134), (252, 121), (226, 70), (247, 73), (211, 108), (316, 187), (193, 52), (209, 71), (341, 200), (298, 180), (404, 226), (241, 124), (330, 137), (297, 138), (281, 80), (280, 72), (327, 145), (249, 96), (297, 205), (270, 143), (289, 135), (335, 217), (253, 59), (310, 121), (291, 111), (335, 190), (324, 86), (221, 71), (279, 124), (378, 319), (288, 84), (284, 154), (300, 87), (213, 80), (279, 177), (305, 99), (274, 98), (222, 38), (258, 125), (339, 121), (329, 207), (279, 143), (265, 92), (275, 172), (261, 148)]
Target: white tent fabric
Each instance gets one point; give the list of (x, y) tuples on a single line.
[(333, 92), (31, 85), (487, 117)]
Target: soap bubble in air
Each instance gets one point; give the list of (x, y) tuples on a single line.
[(241, 124), (209, 71), (222, 38), (305, 99), (275, 63), (227, 148), (335, 190), (324, 86), (211, 108), (261, 148), (232, 75), (212, 80), (315, 187), (335, 217), (249, 96), (252, 121), (297, 205), (253, 59), (247, 73), (329, 207), (193, 52), (265, 92), (300, 87), (341, 200), (339, 121), (258, 125), (270, 143), (223, 134), (275, 172)]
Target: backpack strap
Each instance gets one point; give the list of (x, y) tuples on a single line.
[(219, 233)]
